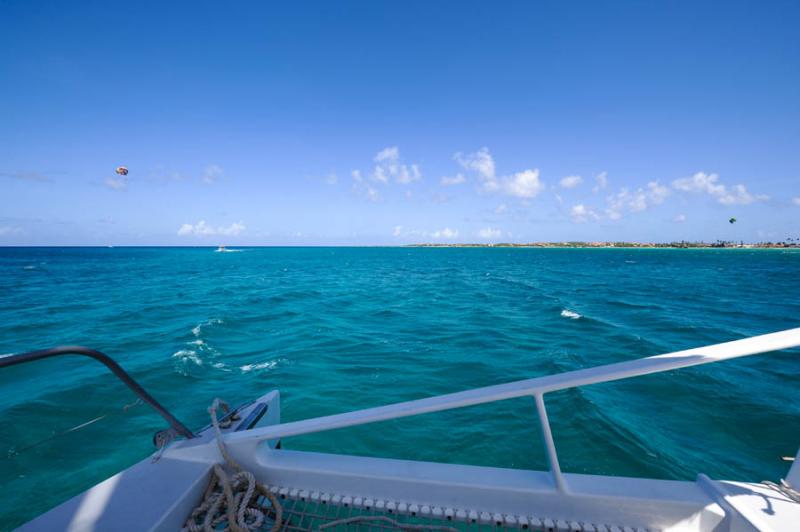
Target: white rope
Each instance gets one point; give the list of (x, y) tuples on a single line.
[(231, 501)]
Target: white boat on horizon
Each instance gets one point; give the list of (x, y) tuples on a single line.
[(224, 249), (173, 489)]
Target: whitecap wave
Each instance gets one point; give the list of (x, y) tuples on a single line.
[(261, 365), (222, 366), (188, 355), (199, 327), (570, 314)]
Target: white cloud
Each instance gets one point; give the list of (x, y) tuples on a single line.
[(500, 209), (488, 233), (362, 187), (525, 184), (445, 233), (116, 183), (656, 193), (679, 218), (379, 174), (391, 153), (571, 181), (481, 161), (388, 167), (409, 174), (602, 182), (8, 230), (639, 200), (201, 228), (701, 182), (211, 173), (738, 195), (796, 200), (454, 180), (580, 213), (372, 194), (330, 179), (400, 231), (25, 176)]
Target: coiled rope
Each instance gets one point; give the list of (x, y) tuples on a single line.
[(231, 499)]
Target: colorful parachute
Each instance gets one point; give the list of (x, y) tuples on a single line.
[(121, 170), (732, 221)]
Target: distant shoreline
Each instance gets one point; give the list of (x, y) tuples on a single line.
[(621, 245)]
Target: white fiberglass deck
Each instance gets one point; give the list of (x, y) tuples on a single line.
[(325, 488)]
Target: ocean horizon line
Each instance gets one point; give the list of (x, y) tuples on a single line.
[(527, 245)]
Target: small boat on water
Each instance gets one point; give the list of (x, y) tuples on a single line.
[(223, 249), (234, 474)]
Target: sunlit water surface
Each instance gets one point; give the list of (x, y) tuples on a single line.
[(343, 328)]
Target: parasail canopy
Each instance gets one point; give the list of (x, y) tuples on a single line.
[(121, 170)]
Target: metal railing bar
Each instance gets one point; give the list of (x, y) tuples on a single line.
[(107, 361), (549, 444), (540, 385)]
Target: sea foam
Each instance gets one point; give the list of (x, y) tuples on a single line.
[(197, 329), (188, 355), (262, 365)]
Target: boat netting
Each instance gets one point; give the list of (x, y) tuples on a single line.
[(302, 514)]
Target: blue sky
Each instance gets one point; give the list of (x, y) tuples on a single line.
[(397, 122)]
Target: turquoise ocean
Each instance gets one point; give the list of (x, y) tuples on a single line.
[(337, 329)]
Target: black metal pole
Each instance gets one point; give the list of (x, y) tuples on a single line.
[(115, 368)]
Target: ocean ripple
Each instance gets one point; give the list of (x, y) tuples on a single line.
[(344, 328)]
